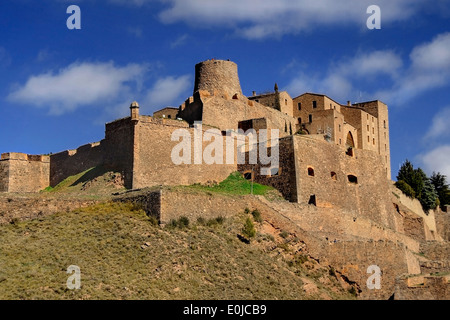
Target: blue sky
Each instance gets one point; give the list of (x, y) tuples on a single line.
[(58, 86)]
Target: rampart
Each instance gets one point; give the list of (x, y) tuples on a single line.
[(17, 168)]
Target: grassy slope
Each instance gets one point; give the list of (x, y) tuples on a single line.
[(106, 240)]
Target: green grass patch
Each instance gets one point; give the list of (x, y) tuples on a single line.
[(234, 184)]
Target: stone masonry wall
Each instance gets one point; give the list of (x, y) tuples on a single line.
[(4, 175), (352, 258), (25, 173), (71, 162), (153, 164), (226, 113), (220, 75), (284, 180), (330, 183)]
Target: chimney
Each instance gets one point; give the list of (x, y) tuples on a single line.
[(254, 93), (134, 110), (349, 103)]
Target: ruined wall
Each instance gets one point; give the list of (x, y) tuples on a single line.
[(323, 172), (25, 173)]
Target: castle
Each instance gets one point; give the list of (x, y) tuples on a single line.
[(331, 156)]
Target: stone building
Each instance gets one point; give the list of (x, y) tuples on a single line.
[(140, 146)]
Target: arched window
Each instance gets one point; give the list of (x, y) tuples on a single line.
[(350, 142), (333, 175), (310, 172)]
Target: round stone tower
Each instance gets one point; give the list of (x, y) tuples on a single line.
[(217, 75)]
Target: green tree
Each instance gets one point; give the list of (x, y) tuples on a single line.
[(428, 196), (415, 178), (405, 188), (439, 182), (406, 172)]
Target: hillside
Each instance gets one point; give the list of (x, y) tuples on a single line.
[(122, 254)]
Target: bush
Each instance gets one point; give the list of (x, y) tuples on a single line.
[(215, 221), (201, 221), (405, 188), (249, 230), (183, 222), (284, 234), (257, 215)]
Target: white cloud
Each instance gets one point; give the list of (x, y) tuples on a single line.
[(167, 90), (440, 128), (374, 63), (265, 18), (437, 160), (429, 68), (181, 40), (341, 80), (78, 85)]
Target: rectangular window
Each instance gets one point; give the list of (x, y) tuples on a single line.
[(314, 104), (299, 105), (368, 139), (373, 141), (367, 127), (310, 118), (299, 120), (384, 124), (373, 130), (285, 102)]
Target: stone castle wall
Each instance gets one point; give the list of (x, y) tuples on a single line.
[(71, 162), (4, 176), (330, 185), (17, 168), (153, 164)]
